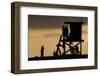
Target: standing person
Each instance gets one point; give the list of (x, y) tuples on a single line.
[(42, 51), (77, 49), (72, 50), (64, 32)]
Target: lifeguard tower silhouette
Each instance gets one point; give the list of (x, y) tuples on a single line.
[(69, 36)]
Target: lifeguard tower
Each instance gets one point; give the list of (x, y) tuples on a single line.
[(71, 33)]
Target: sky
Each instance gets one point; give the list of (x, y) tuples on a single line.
[(46, 30), (49, 22)]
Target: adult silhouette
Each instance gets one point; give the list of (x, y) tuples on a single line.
[(65, 32), (42, 51)]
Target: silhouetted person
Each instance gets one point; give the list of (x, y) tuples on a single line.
[(72, 50), (77, 49), (54, 53), (65, 32), (42, 51)]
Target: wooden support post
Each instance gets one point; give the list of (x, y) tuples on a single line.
[(80, 48), (64, 47)]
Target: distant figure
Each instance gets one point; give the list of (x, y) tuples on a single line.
[(77, 49), (72, 50), (65, 32), (54, 53), (42, 51)]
